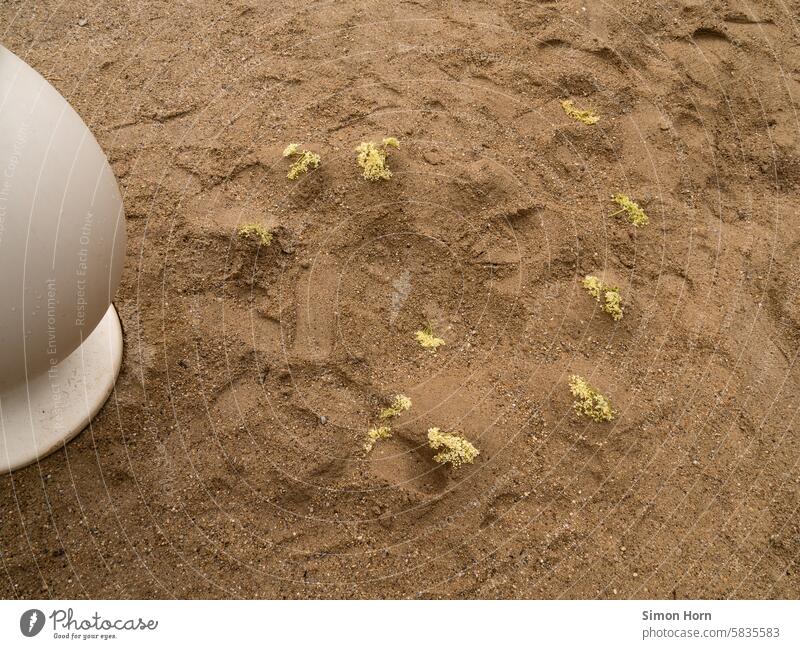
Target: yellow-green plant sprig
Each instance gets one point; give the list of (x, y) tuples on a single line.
[(374, 434), (589, 401), (372, 158), (635, 213), (400, 403), (305, 160), (586, 116), (256, 232), (427, 340), (605, 293), (455, 449)]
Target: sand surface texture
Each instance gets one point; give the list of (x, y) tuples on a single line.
[(229, 462)]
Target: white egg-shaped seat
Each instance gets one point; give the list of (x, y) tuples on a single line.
[(62, 247)]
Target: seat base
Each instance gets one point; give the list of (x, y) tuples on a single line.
[(41, 415)]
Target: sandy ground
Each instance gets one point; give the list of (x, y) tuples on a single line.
[(229, 461)]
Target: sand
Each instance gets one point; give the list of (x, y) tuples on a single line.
[(229, 461)]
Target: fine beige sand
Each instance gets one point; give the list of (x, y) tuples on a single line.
[(229, 461)]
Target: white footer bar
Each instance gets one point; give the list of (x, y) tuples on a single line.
[(401, 625)]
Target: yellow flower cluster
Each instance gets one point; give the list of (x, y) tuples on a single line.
[(256, 232), (452, 448), (304, 160), (426, 338), (374, 434), (455, 449), (585, 116), (400, 403), (372, 158), (602, 292), (635, 213), (589, 401)]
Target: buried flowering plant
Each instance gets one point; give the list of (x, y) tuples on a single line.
[(587, 117), (400, 403), (631, 208), (304, 160), (256, 232), (374, 434), (427, 339), (372, 158), (606, 294), (453, 448), (588, 401)]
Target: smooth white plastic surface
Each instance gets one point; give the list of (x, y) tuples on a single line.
[(62, 243)]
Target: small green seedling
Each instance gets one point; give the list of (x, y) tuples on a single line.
[(303, 160), (605, 293), (585, 116), (635, 213), (372, 158), (589, 401), (455, 449), (426, 338), (256, 232), (374, 434), (400, 404)]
